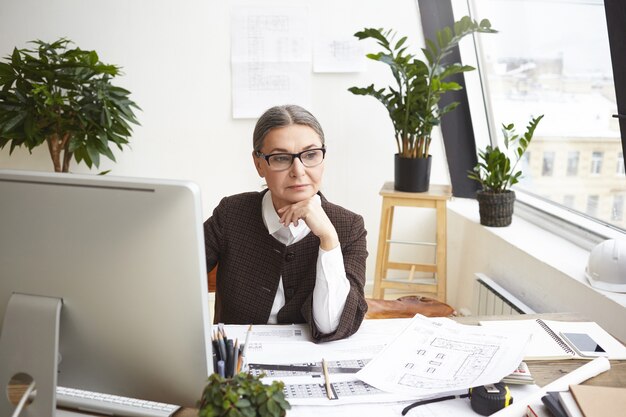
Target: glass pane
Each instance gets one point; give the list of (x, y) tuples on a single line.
[(552, 58)]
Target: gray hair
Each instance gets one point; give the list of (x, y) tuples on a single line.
[(283, 116)]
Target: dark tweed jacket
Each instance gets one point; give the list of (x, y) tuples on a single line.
[(251, 262)]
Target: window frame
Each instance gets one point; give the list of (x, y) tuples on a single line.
[(556, 218)]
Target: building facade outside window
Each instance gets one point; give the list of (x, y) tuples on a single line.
[(592, 205), (547, 168), (618, 207), (620, 164), (568, 200), (596, 163), (572, 163), (561, 68)]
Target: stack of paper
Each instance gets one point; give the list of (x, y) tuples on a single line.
[(521, 375)]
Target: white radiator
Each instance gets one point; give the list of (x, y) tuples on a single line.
[(492, 299)]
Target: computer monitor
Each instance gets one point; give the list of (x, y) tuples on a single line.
[(126, 256)]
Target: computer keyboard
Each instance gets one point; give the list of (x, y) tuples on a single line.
[(115, 405)]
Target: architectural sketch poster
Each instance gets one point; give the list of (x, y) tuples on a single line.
[(338, 55), (433, 356), (270, 58)]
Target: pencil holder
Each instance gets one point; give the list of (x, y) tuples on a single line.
[(242, 395)]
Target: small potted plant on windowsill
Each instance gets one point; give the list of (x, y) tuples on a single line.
[(496, 173), (413, 104)]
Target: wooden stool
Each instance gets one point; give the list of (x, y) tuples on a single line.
[(406, 307), (435, 198)]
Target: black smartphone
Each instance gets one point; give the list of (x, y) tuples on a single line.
[(583, 344)]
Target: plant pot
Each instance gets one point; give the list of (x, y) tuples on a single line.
[(412, 174), (496, 209)]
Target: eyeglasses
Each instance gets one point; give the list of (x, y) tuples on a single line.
[(281, 161)]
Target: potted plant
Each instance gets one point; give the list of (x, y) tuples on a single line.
[(413, 103), (496, 173), (64, 98), (243, 395)]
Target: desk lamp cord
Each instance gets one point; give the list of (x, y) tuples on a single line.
[(20, 404), (432, 400)]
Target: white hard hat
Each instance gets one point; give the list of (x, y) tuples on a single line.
[(606, 269)]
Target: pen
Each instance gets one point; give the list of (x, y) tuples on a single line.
[(229, 357), (233, 369), (326, 379)]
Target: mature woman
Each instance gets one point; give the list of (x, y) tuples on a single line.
[(286, 254)]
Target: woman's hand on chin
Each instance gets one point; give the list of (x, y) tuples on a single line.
[(311, 212)]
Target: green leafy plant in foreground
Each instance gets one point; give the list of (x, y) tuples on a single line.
[(63, 97), (243, 395)]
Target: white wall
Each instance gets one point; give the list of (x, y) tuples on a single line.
[(542, 270), (176, 59)]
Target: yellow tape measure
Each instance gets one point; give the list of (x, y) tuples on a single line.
[(488, 399)]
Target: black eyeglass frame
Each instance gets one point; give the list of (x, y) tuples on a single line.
[(293, 156)]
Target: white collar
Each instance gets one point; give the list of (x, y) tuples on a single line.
[(272, 220)]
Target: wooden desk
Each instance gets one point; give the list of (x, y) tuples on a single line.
[(544, 372)]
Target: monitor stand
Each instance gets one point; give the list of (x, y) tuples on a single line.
[(29, 345)]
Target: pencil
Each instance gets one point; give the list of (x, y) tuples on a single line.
[(244, 350), (326, 379), (239, 363), (245, 345), (222, 346)]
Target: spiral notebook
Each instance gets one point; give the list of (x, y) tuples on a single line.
[(547, 344)]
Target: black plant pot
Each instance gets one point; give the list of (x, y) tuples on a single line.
[(496, 209), (412, 175)]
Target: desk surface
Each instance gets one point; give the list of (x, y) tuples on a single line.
[(544, 372)]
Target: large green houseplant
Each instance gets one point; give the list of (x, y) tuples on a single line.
[(63, 97), (497, 173), (413, 103)]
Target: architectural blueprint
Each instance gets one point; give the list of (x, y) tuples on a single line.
[(385, 361), (433, 356)]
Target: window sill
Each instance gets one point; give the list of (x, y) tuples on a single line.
[(544, 246)]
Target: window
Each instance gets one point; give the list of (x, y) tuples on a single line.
[(620, 164), (547, 169), (572, 163), (592, 205), (560, 68), (596, 163), (617, 214)]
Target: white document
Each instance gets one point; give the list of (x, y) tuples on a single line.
[(270, 58), (338, 55), (458, 407), (286, 353), (434, 356)]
